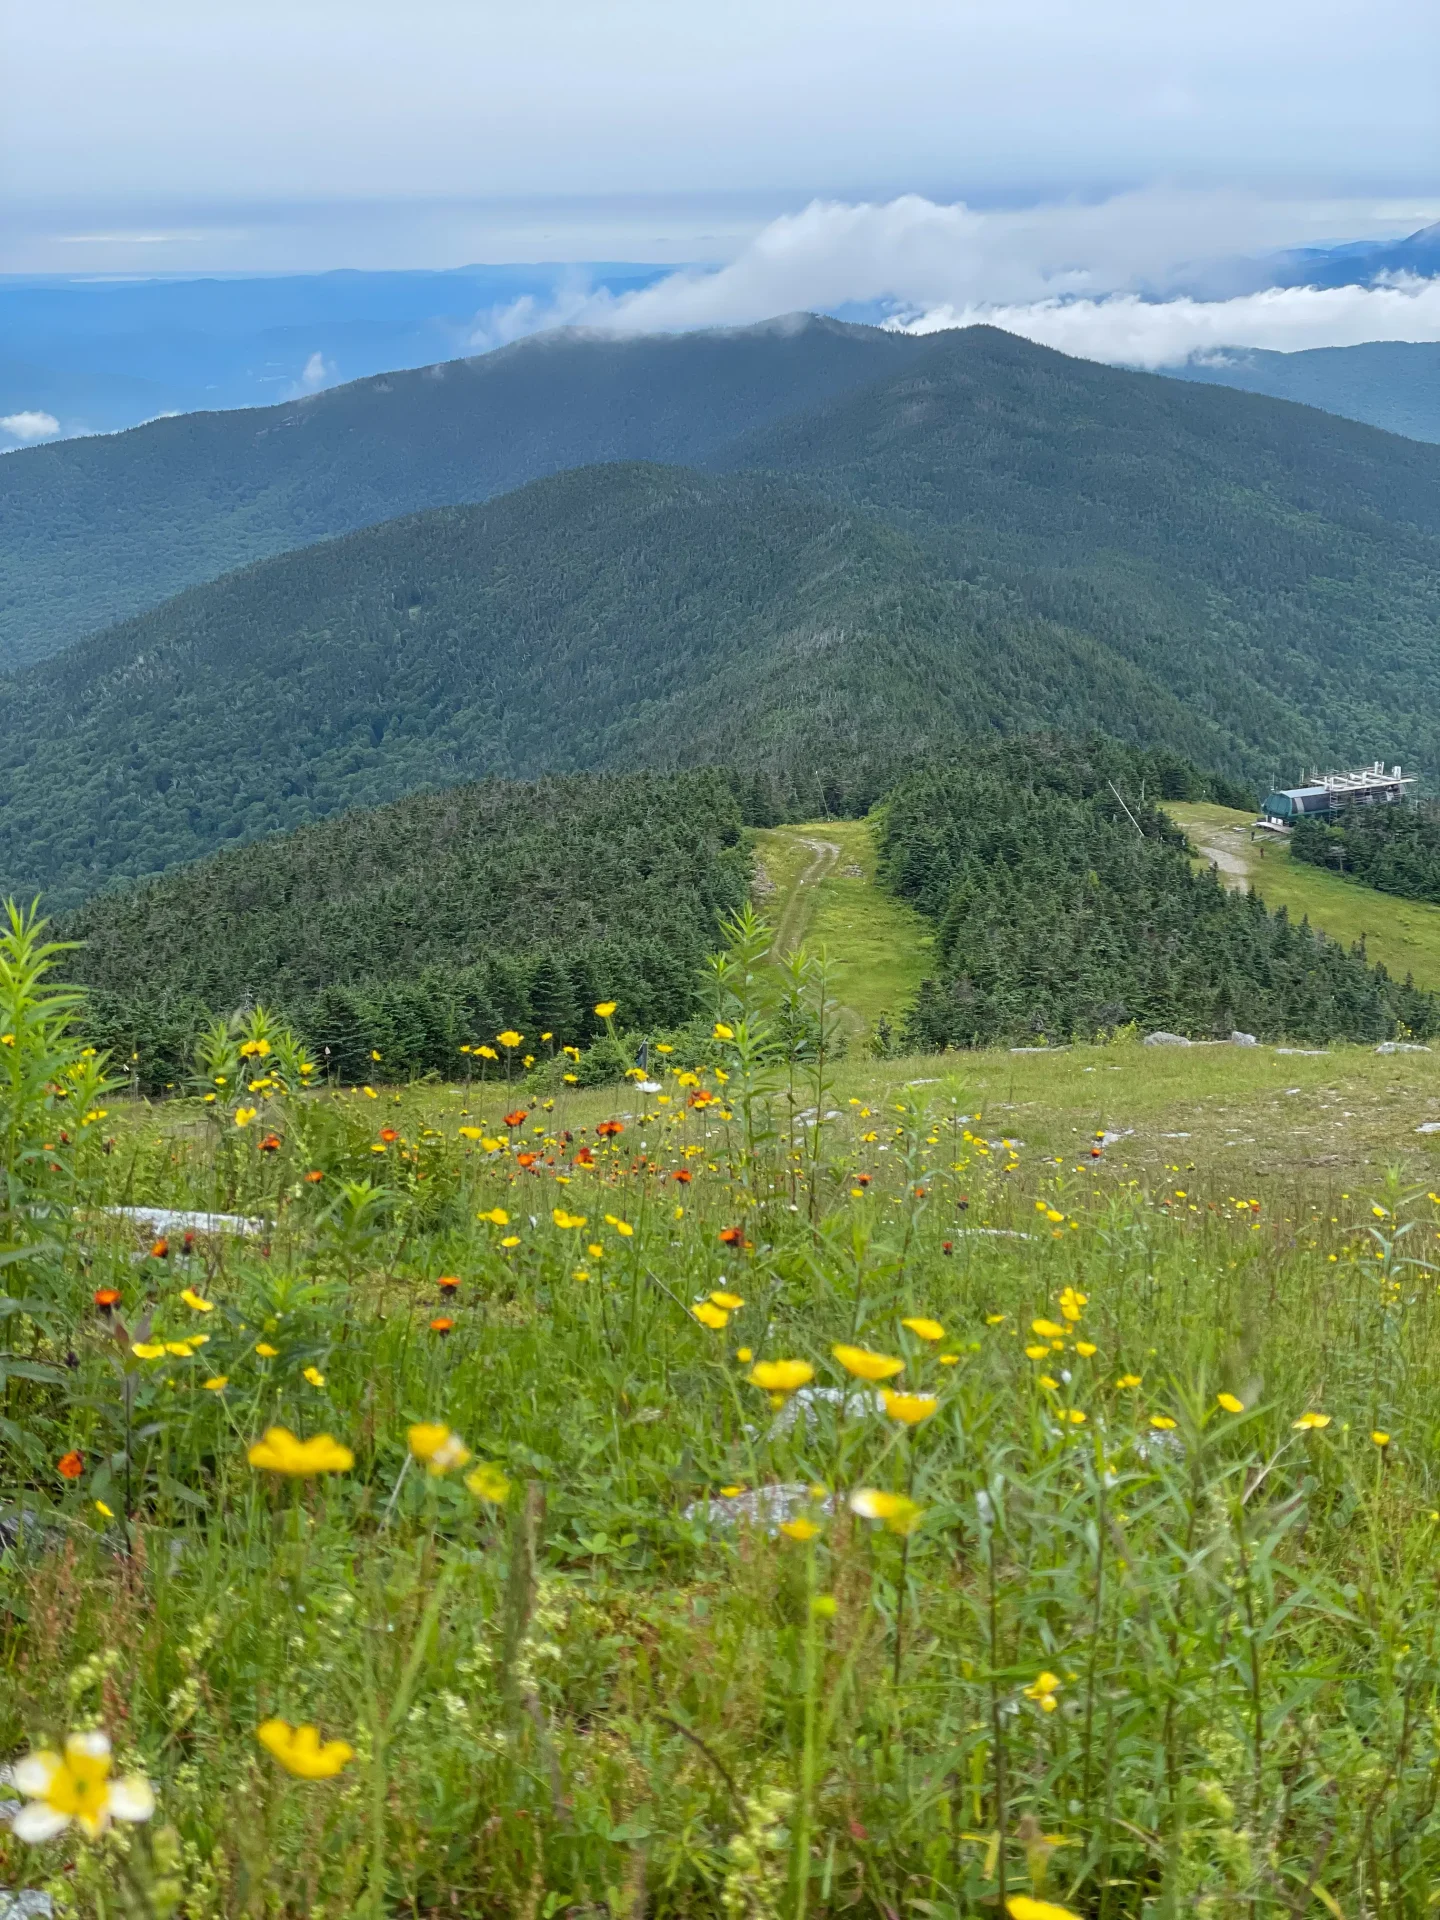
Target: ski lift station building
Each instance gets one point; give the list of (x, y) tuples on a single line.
[(1326, 796)]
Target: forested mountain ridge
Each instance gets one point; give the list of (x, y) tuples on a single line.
[(438, 920), (95, 530), (612, 617)]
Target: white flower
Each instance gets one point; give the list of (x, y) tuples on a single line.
[(75, 1786)]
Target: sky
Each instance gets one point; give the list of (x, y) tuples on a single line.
[(957, 158)]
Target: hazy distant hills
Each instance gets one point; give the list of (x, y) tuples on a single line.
[(1394, 384), (94, 530), (987, 536)]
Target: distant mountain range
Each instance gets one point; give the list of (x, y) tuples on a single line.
[(1394, 384), (893, 542)]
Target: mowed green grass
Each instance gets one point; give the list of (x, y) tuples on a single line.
[(881, 947), (1403, 935)]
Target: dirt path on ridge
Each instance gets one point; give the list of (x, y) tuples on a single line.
[(797, 908)]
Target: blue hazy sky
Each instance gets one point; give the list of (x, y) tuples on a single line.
[(285, 134)]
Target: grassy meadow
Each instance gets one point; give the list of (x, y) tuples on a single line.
[(780, 1485), (1402, 935)]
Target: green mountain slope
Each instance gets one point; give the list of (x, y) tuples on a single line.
[(612, 617), (1276, 568), (439, 920), (1394, 384), (92, 531)]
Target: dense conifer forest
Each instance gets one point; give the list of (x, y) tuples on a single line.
[(1066, 907), (1393, 849), (413, 929)]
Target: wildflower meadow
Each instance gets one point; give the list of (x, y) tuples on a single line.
[(758, 1486)]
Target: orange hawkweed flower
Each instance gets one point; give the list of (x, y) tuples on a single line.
[(389, 1136), (448, 1284), (683, 1175), (160, 1250), (526, 1159), (516, 1119), (270, 1144), (315, 1175), (71, 1464), (584, 1158), (442, 1324), (731, 1236), (107, 1299), (608, 1129)]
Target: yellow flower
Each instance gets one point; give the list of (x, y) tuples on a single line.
[(567, 1220), (1043, 1690), (369, 1093), (799, 1529), (605, 1008), (281, 1452), (925, 1329), (1380, 1439), (315, 1376), (995, 1319), (244, 1115), (1037, 1353), (1229, 1402), (1020, 1906), (1047, 1329), (1086, 1349), (148, 1350), (299, 1750), (909, 1408), (866, 1365), (899, 1513), (1128, 1380), (1162, 1423), (511, 1240), (744, 1355), (473, 1133), (218, 1384), (1051, 1385), (497, 1216), (192, 1299), (622, 1227), (509, 1038), (781, 1376), (949, 1359), (1309, 1422), (438, 1447), (266, 1351), (179, 1348), (710, 1316), (490, 1145), (731, 1302), (1073, 1415), (75, 1785), (722, 1032), (103, 1510), (487, 1482)]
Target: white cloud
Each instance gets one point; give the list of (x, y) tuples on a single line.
[(1088, 278), (29, 425), (1142, 333)]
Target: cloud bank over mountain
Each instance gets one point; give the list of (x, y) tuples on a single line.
[(1147, 277)]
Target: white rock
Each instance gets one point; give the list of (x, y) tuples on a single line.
[(1163, 1039), (756, 1507), (1238, 1039), (1400, 1046), (1428, 1126), (172, 1220)]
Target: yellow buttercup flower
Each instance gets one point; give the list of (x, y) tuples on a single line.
[(266, 1351), (104, 1512), (799, 1529), (244, 1115), (567, 1220), (281, 1452), (509, 1038), (898, 1511), (487, 1482), (1047, 1329), (497, 1216), (315, 1376), (149, 1350), (622, 1227), (218, 1384), (722, 1032), (193, 1299), (731, 1302), (301, 1752), (909, 1408), (781, 1376), (605, 1008), (1037, 1353), (511, 1240), (1128, 1380), (1162, 1423), (866, 1365), (438, 1447), (1310, 1422), (709, 1315), (1043, 1690), (1381, 1440), (75, 1785), (925, 1329), (1020, 1906), (1086, 1349), (1230, 1403)]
